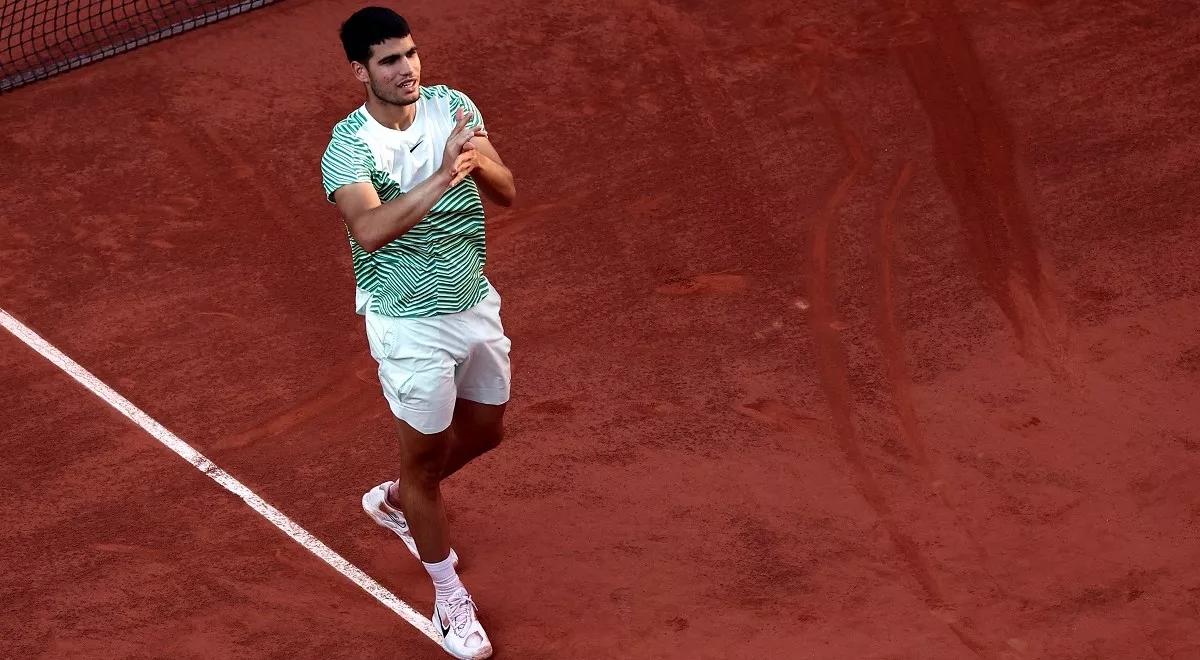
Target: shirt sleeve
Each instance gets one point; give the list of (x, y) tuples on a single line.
[(461, 100), (347, 160)]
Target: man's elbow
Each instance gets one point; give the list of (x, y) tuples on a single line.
[(369, 244), (505, 196)]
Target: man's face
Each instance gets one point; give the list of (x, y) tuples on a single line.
[(393, 71)]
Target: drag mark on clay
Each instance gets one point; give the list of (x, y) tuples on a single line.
[(711, 283), (834, 375), (899, 380), (890, 336), (777, 415), (819, 305), (973, 149), (343, 396)]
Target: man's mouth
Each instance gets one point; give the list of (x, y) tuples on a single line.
[(408, 85)]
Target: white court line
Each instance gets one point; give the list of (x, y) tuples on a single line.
[(276, 517)]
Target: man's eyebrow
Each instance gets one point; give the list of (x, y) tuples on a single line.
[(395, 56)]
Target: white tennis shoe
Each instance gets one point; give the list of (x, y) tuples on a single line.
[(457, 621), (375, 503)]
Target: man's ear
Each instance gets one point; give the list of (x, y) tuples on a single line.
[(360, 72)]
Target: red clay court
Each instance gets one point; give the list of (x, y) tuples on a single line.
[(842, 330)]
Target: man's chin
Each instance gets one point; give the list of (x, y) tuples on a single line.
[(405, 99)]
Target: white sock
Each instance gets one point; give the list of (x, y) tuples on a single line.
[(445, 578)]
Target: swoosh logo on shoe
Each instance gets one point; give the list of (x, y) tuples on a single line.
[(444, 628), (399, 523)]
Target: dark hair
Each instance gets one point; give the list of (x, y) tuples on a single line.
[(368, 27)]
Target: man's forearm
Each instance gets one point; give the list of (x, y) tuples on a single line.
[(495, 181), (391, 220)]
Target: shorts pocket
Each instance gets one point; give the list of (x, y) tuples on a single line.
[(380, 334)]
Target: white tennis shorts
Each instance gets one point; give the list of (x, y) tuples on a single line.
[(425, 364)]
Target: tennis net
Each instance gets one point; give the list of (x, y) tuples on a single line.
[(41, 38)]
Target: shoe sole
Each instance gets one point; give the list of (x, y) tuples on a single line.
[(476, 656), (480, 654)]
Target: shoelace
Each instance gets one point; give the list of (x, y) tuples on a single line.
[(461, 608)]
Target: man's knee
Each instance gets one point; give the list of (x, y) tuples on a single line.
[(478, 427), (491, 436), (423, 457)]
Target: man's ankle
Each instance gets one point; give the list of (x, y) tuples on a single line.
[(393, 496)]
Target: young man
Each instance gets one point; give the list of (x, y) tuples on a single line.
[(406, 170)]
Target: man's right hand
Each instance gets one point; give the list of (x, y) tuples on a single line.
[(459, 157)]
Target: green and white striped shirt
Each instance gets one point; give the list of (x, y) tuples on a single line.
[(436, 267)]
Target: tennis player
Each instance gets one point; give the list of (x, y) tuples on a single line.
[(407, 170)]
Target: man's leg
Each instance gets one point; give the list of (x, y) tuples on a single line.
[(482, 386), (422, 462), (418, 491), (420, 387), (477, 429)]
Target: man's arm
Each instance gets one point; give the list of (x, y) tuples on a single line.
[(374, 224), (494, 178)]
